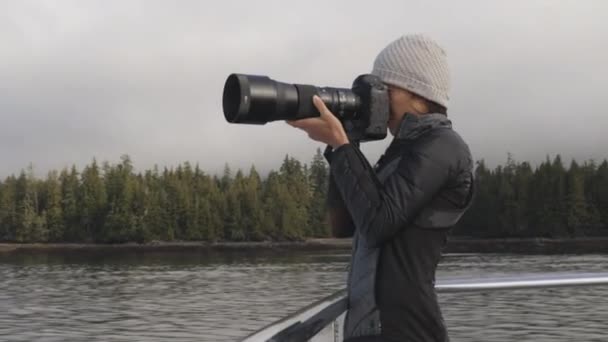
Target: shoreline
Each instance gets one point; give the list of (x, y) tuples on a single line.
[(454, 245), (161, 246)]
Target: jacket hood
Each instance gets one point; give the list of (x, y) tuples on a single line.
[(412, 126)]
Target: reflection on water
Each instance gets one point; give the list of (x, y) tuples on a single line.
[(207, 296)]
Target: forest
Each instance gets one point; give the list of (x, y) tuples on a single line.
[(112, 203)]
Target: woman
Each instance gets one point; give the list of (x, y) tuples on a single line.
[(400, 211)]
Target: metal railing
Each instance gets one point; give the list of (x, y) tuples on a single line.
[(322, 321)]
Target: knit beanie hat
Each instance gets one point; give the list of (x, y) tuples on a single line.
[(418, 64)]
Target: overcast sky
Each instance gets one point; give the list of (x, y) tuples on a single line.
[(83, 79)]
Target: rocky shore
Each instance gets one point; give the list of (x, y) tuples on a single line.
[(455, 245)]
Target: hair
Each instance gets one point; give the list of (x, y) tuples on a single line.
[(432, 106), (435, 107)]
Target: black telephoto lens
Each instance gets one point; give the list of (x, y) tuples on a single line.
[(254, 99)]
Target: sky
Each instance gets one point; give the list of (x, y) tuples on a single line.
[(98, 79)]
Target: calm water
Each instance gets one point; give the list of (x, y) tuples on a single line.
[(223, 297)]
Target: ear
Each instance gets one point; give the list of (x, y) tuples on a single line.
[(420, 105)]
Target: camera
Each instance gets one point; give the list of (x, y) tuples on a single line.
[(363, 109)]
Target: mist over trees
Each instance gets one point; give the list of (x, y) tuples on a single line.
[(114, 204)]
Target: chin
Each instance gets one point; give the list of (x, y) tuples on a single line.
[(392, 130)]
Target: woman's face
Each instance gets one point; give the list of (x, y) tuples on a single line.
[(400, 103)]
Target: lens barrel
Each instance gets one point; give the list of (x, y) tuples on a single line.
[(252, 99)]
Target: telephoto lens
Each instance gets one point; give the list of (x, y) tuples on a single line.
[(251, 99)]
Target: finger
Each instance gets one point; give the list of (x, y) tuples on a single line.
[(298, 123), (321, 107), (307, 123)]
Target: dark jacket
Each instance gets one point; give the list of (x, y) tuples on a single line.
[(399, 213)]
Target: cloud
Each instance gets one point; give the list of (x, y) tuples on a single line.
[(99, 79)]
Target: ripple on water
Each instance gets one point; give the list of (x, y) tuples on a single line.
[(187, 297)]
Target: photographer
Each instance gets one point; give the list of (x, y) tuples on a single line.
[(400, 211)]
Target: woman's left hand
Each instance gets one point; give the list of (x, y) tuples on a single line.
[(325, 128)]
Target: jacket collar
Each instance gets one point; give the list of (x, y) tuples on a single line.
[(412, 126)]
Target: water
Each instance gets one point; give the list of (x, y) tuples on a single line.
[(204, 296)]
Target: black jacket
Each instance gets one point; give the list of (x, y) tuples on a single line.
[(400, 212)]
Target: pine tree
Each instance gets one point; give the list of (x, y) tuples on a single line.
[(189, 202), (54, 213), (213, 209), (486, 204), (559, 201), (522, 185), (70, 205), (234, 218), (23, 209), (226, 178), (154, 217), (577, 216), (506, 194), (319, 183), (120, 221), (600, 194), (93, 201), (272, 206), (589, 170), (8, 210), (548, 196), (139, 206), (542, 192), (251, 203), (31, 225), (297, 199), (3, 212), (473, 222)]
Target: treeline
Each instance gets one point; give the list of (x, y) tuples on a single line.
[(114, 204), (516, 200)]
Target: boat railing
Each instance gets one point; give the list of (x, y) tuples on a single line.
[(323, 320)]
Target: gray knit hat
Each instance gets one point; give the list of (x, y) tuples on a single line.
[(418, 64)]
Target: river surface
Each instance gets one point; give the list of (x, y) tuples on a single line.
[(224, 296)]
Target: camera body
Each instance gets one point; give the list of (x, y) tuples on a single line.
[(363, 110), (372, 122)]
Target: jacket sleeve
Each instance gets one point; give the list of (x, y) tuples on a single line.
[(379, 211), (339, 218)]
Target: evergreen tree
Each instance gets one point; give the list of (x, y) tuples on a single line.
[(70, 205), (589, 170), (522, 183), (54, 213), (3, 212), (139, 206), (319, 183), (295, 222), (251, 200), (506, 194), (272, 206), (577, 215), (548, 218), (120, 221), (213, 207), (559, 201), (93, 202), (226, 180), (154, 219), (31, 226), (234, 218), (168, 201), (8, 209), (600, 194), (481, 219)]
